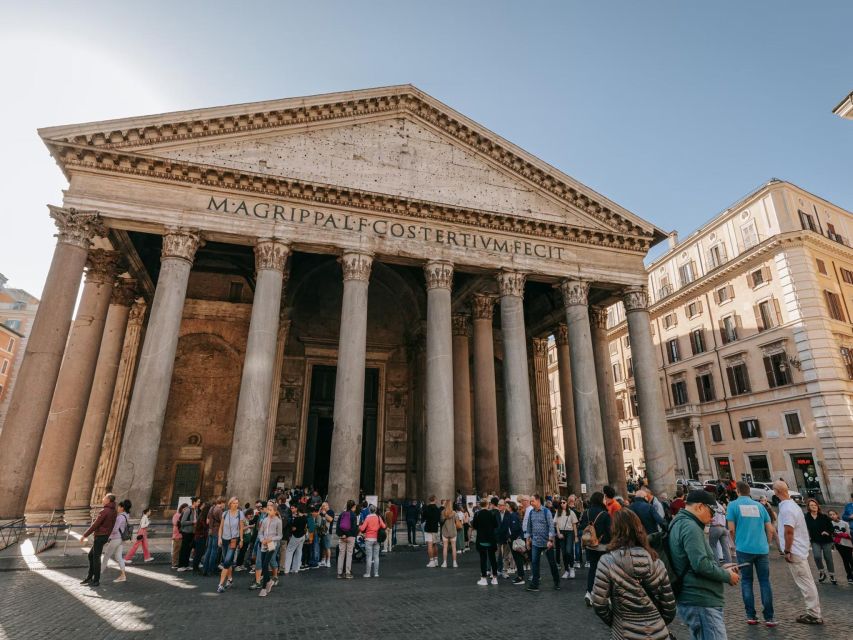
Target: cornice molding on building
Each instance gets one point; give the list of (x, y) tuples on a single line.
[(296, 113), (111, 162), (844, 109), (736, 265)]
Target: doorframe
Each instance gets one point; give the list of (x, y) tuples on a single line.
[(200, 484), (370, 363)]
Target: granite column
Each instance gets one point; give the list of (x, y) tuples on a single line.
[(487, 466), (567, 410), (462, 444)]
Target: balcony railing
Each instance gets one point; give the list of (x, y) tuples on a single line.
[(683, 411)]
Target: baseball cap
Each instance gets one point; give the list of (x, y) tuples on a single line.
[(700, 495)]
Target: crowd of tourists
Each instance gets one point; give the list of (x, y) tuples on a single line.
[(645, 558)]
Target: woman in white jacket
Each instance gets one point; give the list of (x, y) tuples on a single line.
[(141, 539)]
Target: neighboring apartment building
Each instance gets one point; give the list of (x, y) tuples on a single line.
[(17, 312), (844, 109), (752, 318)]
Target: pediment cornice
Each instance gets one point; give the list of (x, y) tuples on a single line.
[(143, 135), (74, 157)]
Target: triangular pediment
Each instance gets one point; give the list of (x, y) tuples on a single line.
[(394, 141)]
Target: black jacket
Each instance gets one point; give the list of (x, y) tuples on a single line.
[(819, 525), (648, 515), (485, 524)]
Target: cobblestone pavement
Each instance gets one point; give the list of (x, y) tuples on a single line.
[(155, 602)]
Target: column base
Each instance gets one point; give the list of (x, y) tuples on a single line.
[(44, 517), (79, 515)]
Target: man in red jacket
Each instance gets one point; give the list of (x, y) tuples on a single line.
[(102, 527)]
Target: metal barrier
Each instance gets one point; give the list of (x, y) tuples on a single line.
[(46, 537), (10, 533)]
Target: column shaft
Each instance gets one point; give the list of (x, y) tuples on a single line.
[(106, 469), (519, 423), (73, 386), (253, 404), (660, 462), (567, 410), (29, 406), (439, 450), (275, 397), (463, 444), (593, 467), (546, 473), (98, 410), (607, 401), (486, 465), (701, 451), (138, 458), (345, 458)]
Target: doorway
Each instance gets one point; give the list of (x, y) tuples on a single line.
[(320, 427), (692, 460), (187, 481)]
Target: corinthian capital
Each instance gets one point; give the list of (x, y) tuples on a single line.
[(574, 292), (137, 313), (439, 274), (540, 347), (460, 325), (125, 292), (561, 335), (598, 316), (511, 283), (483, 306), (635, 299), (356, 265), (180, 242), (102, 266), (77, 227), (271, 254)]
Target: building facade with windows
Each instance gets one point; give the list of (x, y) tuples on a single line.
[(751, 317), (17, 312)]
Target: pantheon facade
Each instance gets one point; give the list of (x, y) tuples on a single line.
[(353, 291)]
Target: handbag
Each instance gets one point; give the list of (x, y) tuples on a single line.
[(232, 543), (139, 537), (519, 545)]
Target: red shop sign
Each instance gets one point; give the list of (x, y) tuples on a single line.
[(805, 461), (723, 463)]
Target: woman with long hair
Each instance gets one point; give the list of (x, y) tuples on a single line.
[(821, 535), (460, 530), (448, 533), (230, 540), (115, 543), (566, 522), (141, 539), (269, 534), (632, 593), (200, 536), (516, 542)]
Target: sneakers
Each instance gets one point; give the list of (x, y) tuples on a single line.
[(228, 583), (444, 565), (565, 575), (808, 618), (375, 575), (771, 623), (751, 621), (577, 565), (530, 587), (832, 579), (348, 576), (494, 580), (239, 567), (221, 588), (822, 577), (274, 581), (557, 586), (483, 582), (95, 583), (181, 569), (254, 586), (86, 580), (455, 565), (571, 574), (586, 565), (366, 575), (588, 599), (121, 578), (126, 561), (850, 580), (340, 576), (518, 580), (151, 559), (263, 593)]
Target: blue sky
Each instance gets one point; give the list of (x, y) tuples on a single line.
[(672, 109)]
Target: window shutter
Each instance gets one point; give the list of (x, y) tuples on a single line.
[(716, 297), (730, 374), (758, 323), (738, 326), (749, 282), (768, 369), (723, 337), (731, 292), (699, 389), (778, 312), (699, 306), (767, 274)]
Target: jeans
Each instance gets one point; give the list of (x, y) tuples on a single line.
[(411, 530), (345, 548), (211, 558), (567, 549), (95, 557), (824, 548), (535, 556), (518, 557), (228, 554), (372, 549), (720, 534), (490, 553), (186, 547), (314, 557), (144, 543), (198, 555), (761, 562), (293, 554), (592, 557), (846, 554), (266, 556), (705, 623)]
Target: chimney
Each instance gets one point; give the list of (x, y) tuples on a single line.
[(672, 238)]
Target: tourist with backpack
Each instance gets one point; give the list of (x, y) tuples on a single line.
[(347, 531), (373, 528), (539, 534), (632, 593), (121, 532), (186, 525), (595, 526), (696, 577)]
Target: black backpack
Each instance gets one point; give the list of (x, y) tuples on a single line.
[(659, 541), (127, 532)]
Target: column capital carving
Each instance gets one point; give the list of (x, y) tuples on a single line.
[(635, 299), (356, 265), (102, 266), (460, 324), (695, 424), (540, 347), (598, 316), (271, 254), (483, 306), (561, 335), (125, 292), (575, 292), (439, 274), (511, 283), (77, 228), (180, 242), (137, 313)]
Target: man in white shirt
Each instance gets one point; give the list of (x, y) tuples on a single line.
[(794, 542)]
